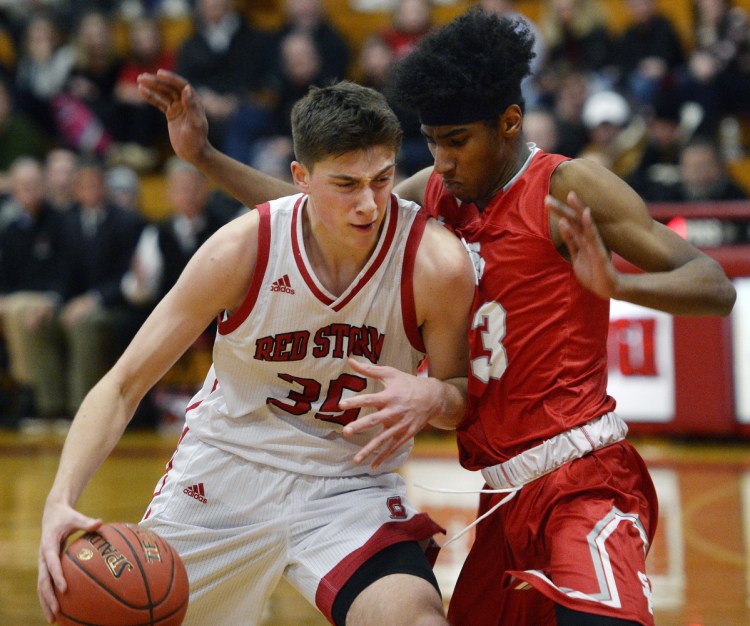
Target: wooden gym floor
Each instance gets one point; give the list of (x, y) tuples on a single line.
[(699, 564)]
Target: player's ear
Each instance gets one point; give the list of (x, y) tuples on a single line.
[(300, 177), (511, 121)]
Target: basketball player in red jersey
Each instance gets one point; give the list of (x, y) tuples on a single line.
[(569, 546)]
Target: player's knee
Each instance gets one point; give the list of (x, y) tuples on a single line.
[(397, 600), (394, 586)]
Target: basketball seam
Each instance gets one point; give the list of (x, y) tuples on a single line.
[(143, 572)]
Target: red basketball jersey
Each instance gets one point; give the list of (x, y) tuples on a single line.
[(538, 338)]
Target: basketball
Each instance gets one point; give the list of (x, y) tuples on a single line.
[(122, 575)]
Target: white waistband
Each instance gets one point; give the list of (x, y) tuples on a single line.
[(555, 452)]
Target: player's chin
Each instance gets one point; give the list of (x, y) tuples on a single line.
[(460, 192)]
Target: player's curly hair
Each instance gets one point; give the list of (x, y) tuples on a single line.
[(469, 70)]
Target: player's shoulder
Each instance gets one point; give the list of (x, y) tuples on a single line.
[(235, 239), (442, 256)]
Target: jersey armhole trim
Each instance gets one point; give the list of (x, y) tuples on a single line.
[(408, 306), (231, 323)]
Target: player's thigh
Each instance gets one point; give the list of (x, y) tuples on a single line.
[(397, 600), (598, 552)]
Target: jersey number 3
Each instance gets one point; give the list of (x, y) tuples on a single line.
[(301, 402), (489, 323)]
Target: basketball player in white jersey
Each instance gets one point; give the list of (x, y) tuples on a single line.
[(327, 295)]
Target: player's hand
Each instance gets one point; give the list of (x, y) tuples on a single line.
[(58, 522), (185, 113), (402, 409), (591, 260)]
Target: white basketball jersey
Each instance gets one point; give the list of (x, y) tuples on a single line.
[(280, 361)]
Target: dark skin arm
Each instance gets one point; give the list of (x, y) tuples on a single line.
[(594, 212), (188, 133)]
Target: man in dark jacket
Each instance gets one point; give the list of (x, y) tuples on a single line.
[(32, 279), (74, 346)]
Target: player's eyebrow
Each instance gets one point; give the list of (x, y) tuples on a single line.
[(457, 130), (347, 177)]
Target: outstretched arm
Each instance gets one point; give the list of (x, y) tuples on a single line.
[(595, 212), (188, 133), (444, 285), (106, 410)]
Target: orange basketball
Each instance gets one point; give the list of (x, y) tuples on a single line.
[(122, 575)]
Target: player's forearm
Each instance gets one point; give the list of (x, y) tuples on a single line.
[(453, 403), (248, 185), (699, 287), (95, 431)]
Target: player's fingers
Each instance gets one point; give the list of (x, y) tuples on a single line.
[(395, 444), (158, 84), (590, 231), (187, 97), (45, 591), (49, 552), (153, 99), (362, 401), (568, 237), (368, 369), (384, 415), (171, 78), (157, 93), (559, 208), (371, 448), (382, 441), (575, 203), (50, 558)]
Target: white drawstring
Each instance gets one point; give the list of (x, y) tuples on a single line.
[(511, 492)]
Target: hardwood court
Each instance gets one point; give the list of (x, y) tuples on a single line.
[(699, 565)]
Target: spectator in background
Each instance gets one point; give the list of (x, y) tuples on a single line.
[(31, 273), (576, 35), (269, 146), (75, 346), (141, 129), (703, 176), (59, 167), (19, 136), (164, 249), (658, 165), (168, 9), (228, 63), (301, 65), (567, 105), (410, 21), (94, 74), (647, 53), (372, 69), (309, 16), (717, 73), (45, 61), (616, 134), (540, 128), (123, 188)]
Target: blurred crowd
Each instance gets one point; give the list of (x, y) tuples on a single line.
[(632, 97), (80, 265)]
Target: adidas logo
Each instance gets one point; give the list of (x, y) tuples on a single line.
[(282, 284), (196, 491)]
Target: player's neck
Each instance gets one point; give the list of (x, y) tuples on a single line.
[(505, 175)]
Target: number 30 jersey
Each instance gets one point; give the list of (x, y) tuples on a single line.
[(280, 361)]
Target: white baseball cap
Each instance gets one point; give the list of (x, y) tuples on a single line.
[(605, 107)]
